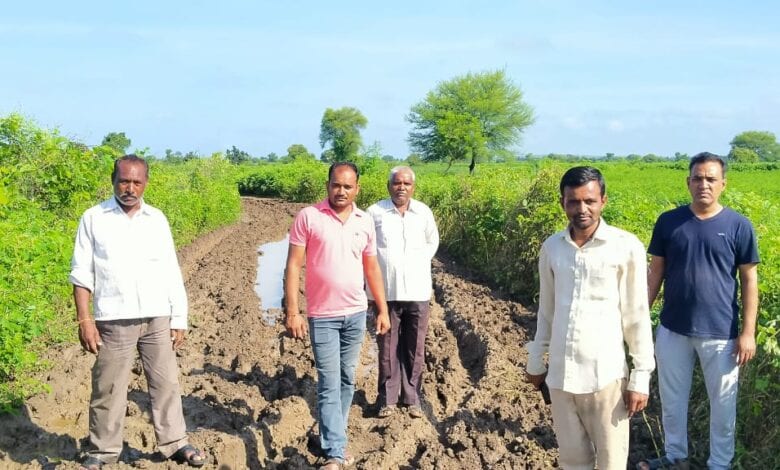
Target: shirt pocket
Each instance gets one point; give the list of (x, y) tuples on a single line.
[(358, 244), (602, 281)]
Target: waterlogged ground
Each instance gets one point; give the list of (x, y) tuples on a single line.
[(249, 391)]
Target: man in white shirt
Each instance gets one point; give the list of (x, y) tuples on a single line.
[(407, 239), (125, 260), (592, 301)]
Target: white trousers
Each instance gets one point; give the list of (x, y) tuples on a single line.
[(676, 357)]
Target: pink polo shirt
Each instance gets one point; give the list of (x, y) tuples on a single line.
[(334, 258)]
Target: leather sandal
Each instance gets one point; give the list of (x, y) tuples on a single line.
[(189, 455), (387, 411)]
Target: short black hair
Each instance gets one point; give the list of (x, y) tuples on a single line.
[(335, 165), (130, 157), (703, 157), (582, 175)]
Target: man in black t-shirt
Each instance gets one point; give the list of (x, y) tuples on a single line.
[(697, 251)]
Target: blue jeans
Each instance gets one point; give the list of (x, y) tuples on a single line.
[(336, 342)]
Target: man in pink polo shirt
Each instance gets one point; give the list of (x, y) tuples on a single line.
[(338, 243)]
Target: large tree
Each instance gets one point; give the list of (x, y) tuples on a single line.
[(763, 143), (116, 140), (474, 116), (341, 128)]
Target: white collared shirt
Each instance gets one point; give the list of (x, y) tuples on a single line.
[(129, 264), (592, 300), (405, 246)]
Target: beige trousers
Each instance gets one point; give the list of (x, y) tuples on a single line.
[(110, 377), (591, 428)]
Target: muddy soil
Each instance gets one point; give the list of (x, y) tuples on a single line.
[(249, 391)]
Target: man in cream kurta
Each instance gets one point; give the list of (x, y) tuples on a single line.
[(592, 303)]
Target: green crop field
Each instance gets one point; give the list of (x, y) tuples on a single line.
[(495, 221)]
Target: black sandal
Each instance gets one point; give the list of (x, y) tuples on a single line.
[(189, 455), (91, 463)]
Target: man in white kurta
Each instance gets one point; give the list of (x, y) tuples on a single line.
[(124, 260), (407, 239)]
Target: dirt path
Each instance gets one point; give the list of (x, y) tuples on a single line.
[(250, 392)]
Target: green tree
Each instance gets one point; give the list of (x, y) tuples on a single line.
[(341, 128), (743, 155), (117, 141), (763, 143), (272, 157), (236, 156), (414, 159), (475, 116), (173, 157), (298, 152)]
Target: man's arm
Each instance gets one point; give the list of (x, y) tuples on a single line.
[(637, 330), (296, 325), (655, 277), (431, 236), (746, 341), (536, 371), (373, 275), (88, 333)]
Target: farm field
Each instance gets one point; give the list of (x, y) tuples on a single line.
[(249, 390)]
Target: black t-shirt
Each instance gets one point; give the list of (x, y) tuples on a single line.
[(701, 258)]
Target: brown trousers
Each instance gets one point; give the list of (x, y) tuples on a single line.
[(402, 353), (110, 377)]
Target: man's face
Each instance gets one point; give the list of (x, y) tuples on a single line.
[(401, 188), (583, 204), (129, 184), (705, 183), (342, 187)]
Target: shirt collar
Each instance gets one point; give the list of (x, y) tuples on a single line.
[(324, 206), (602, 233), (387, 205), (113, 206)]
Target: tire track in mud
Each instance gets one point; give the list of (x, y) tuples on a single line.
[(250, 392)]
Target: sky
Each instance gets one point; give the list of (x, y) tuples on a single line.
[(602, 76)]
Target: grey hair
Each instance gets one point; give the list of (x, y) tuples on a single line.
[(398, 169)]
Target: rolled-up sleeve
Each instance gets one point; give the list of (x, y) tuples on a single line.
[(637, 330), (82, 265)]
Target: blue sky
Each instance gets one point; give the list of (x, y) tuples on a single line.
[(610, 76)]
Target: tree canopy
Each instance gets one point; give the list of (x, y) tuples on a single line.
[(298, 152), (762, 143), (475, 116), (341, 128), (117, 141), (237, 156)]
